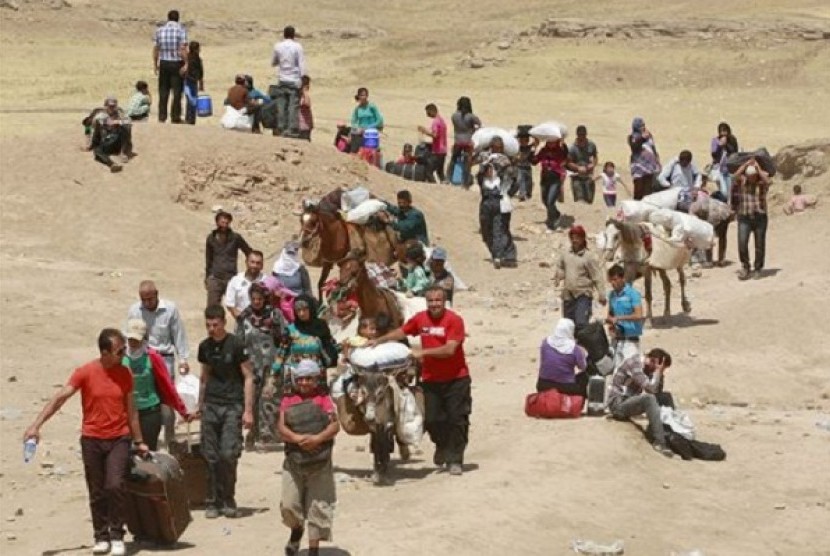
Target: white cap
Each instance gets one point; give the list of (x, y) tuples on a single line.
[(751, 170)]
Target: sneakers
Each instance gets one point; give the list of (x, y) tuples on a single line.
[(118, 548), (456, 470), (663, 449), (211, 512), (102, 547), (497, 263)]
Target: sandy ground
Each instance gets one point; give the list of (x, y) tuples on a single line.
[(750, 360)]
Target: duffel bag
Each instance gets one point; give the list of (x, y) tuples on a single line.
[(553, 404)]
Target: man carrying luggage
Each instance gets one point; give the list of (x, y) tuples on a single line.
[(109, 420), (225, 406)]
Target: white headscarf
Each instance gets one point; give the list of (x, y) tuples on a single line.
[(562, 339), (288, 263)]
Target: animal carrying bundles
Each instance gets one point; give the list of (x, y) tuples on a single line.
[(761, 156), (387, 356), (549, 131), (237, 120), (364, 211), (684, 228), (483, 136), (635, 211), (667, 199), (352, 198), (666, 254), (552, 404)]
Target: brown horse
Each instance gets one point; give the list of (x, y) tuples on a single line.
[(326, 238), (371, 299)]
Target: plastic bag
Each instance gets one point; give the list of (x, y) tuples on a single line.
[(353, 198), (678, 421), (236, 119), (410, 421), (365, 210), (549, 131), (188, 389)]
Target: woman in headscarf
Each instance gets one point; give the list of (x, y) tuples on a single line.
[(261, 326), (559, 358), (308, 337), (290, 270), (722, 146), (645, 162), (497, 180)]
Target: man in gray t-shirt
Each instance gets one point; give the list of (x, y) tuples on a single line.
[(582, 160)]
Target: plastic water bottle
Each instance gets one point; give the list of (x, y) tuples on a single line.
[(29, 449)]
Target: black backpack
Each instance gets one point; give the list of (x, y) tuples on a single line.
[(693, 449)]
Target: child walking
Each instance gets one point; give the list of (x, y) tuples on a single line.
[(610, 179), (193, 81), (308, 424)]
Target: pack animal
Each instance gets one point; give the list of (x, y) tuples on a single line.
[(633, 243), (371, 299)]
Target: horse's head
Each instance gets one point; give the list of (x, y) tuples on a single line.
[(376, 395), (608, 240), (351, 265), (310, 219)]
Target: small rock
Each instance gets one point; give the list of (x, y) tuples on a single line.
[(692, 353), (739, 404), (11, 537), (10, 519), (666, 486), (475, 63), (12, 378), (18, 512), (780, 506), (46, 464), (544, 264)]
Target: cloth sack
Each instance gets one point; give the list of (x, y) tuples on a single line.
[(553, 404), (548, 131), (237, 120)]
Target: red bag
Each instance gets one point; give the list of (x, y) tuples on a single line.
[(552, 404)]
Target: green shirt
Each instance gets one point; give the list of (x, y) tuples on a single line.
[(410, 225), (144, 382)]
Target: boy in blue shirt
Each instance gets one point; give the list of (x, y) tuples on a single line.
[(625, 316)]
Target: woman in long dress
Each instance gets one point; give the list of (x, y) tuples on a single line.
[(497, 181)]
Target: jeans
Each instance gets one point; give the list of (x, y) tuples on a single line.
[(610, 199), (637, 405), (221, 447), (525, 176), (721, 231), (447, 420), (191, 99), (150, 422), (757, 226), (578, 309), (106, 464), (288, 109), (550, 185), (170, 80), (168, 414), (583, 189)]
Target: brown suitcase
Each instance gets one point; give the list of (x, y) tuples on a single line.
[(188, 453), (157, 507)]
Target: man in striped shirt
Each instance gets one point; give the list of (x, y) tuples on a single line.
[(170, 64)]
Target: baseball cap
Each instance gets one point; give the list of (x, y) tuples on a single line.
[(439, 254), (136, 329)]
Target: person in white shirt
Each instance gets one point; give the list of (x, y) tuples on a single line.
[(289, 59), (166, 335), (237, 295), (681, 172)]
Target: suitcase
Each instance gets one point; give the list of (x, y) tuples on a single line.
[(596, 395), (157, 508), (188, 453), (552, 404)]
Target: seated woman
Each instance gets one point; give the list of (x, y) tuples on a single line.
[(558, 358)]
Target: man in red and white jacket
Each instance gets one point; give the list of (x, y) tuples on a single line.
[(445, 377)]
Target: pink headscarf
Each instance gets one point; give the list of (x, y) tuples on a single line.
[(286, 296)]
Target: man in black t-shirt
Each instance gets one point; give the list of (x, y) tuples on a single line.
[(225, 405)]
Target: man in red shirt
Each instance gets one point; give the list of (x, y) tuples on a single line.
[(438, 132), (109, 419), (445, 377)]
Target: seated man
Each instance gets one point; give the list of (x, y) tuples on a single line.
[(139, 105), (633, 390), (407, 156), (111, 134), (238, 100), (439, 275)]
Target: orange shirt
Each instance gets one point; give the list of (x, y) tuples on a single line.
[(103, 395)]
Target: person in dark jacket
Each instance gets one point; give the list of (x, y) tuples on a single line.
[(193, 81), (222, 249)]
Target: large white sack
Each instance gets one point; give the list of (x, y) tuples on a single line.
[(410, 422), (634, 211), (666, 199), (684, 227), (236, 119), (666, 254), (549, 131), (665, 218), (384, 355), (364, 211), (483, 136), (354, 197)]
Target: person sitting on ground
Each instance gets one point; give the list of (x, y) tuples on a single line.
[(407, 155), (308, 424), (416, 280), (681, 172), (439, 275), (341, 138), (558, 357), (238, 100), (632, 393), (139, 106), (664, 397), (111, 134), (254, 94), (799, 202)]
